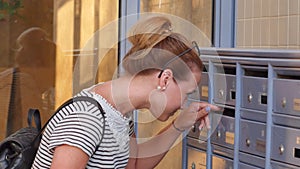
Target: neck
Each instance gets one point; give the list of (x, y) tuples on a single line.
[(126, 93)]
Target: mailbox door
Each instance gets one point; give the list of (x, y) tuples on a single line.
[(253, 137), (286, 145)]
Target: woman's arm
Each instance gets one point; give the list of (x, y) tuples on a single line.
[(150, 153), (69, 157)]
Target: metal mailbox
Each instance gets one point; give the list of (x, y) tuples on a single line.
[(223, 151), (203, 86), (251, 161), (285, 146), (221, 162), (224, 93), (261, 88), (246, 166), (254, 93), (278, 165), (197, 134), (252, 137), (202, 95), (197, 159), (254, 115), (287, 96), (286, 120), (199, 144), (224, 132)]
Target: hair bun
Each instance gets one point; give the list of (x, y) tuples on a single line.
[(148, 32)]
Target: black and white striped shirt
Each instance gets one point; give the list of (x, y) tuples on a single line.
[(81, 125)]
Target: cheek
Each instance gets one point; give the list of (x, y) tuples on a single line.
[(175, 97)]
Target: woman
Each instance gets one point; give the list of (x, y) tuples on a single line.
[(162, 68)]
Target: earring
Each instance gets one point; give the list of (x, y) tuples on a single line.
[(163, 88), (158, 87)]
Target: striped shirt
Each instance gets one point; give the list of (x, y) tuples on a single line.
[(80, 124)]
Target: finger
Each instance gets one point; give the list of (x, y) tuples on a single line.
[(207, 122), (202, 123), (203, 112), (212, 107)]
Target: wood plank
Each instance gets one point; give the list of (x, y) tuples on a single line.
[(6, 79)]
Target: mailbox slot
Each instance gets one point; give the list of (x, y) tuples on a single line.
[(297, 152)]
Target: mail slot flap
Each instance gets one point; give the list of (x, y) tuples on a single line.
[(224, 133), (287, 96), (253, 137), (285, 145), (223, 151), (199, 144), (224, 89), (255, 115), (219, 162), (254, 93), (286, 120), (278, 165), (196, 158), (252, 160)]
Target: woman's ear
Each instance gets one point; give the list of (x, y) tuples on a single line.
[(166, 78)]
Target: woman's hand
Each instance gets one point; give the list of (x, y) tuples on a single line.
[(195, 112)]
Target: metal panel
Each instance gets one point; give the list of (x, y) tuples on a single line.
[(197, 134), (197, 159), (246, 166), (285, 145), (254, 93), (262, 123), (224, 133), (224, 94), (259, 116), (287, 96), (278, 165), (223, 151), (252, 160), (199, 144), (285, 120), (203, 89), (253, 137), (221, 162)]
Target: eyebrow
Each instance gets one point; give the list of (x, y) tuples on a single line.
[(178, 56)]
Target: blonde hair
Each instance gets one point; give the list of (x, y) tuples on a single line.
[(154, 44)]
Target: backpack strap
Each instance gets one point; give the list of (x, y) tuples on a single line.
[(37, 118), (36, 140)]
